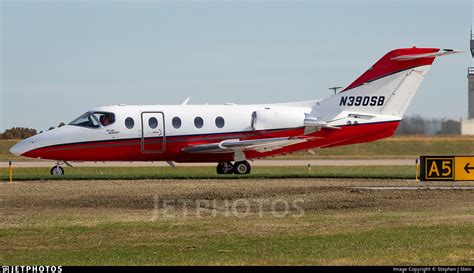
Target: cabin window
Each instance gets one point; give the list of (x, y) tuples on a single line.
[(153, 122), (129, 123), (198, 122), (86, 120), (220, 122), (176, 122)]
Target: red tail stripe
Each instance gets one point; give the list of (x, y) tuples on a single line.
[(386, 66)]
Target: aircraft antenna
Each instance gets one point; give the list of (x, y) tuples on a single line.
[(335, 89)]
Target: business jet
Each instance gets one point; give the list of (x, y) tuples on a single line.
[(370, 108)]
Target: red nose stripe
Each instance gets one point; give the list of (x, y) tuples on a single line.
[(386, 66)]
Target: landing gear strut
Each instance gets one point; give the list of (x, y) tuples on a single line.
[(240, 167)]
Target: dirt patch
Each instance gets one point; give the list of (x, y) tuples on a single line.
[(315, 194)]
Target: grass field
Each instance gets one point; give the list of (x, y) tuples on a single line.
[(275, 216), (393, 147), (398, 147), (282, 172), (5, 154), (120, 222)]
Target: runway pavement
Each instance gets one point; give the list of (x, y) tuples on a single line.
[(313, 162)]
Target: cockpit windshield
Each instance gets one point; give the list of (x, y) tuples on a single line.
[(94, 119)]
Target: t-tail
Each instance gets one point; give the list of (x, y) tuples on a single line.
[(385, 90)]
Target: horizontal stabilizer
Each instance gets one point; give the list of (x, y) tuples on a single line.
[(426, 55)]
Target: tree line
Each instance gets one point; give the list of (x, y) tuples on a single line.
[(18, 133), (22, 132)]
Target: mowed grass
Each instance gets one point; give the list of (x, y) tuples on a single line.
[(118, 223), (110, 220), (397, 147), (5, 154), (202, 242), (282, 172), (393, 147)]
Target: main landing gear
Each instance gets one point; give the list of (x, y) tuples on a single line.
[(239, 167)]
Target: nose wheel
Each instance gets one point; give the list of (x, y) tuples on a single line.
[(57, 170), (240, 167)]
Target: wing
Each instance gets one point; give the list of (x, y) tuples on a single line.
[(236, 145)]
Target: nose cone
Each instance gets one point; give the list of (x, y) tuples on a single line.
[(37, 145), (19, 148)]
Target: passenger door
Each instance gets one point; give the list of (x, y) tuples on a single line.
[(153, 132)]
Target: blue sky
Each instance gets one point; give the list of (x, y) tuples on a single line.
[(61, 58)]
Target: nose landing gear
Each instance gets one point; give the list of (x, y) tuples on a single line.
[(57, 170), (239, 167)]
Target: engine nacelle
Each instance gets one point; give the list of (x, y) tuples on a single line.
[(277, 119)]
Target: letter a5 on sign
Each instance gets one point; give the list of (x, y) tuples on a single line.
[(447, 168)]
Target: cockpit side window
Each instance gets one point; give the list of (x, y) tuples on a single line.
[(94, 119), (86, 120), (105, 118)]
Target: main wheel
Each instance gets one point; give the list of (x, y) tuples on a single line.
[(57, 170), (241, 167), (224, 168), (220, 168)]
